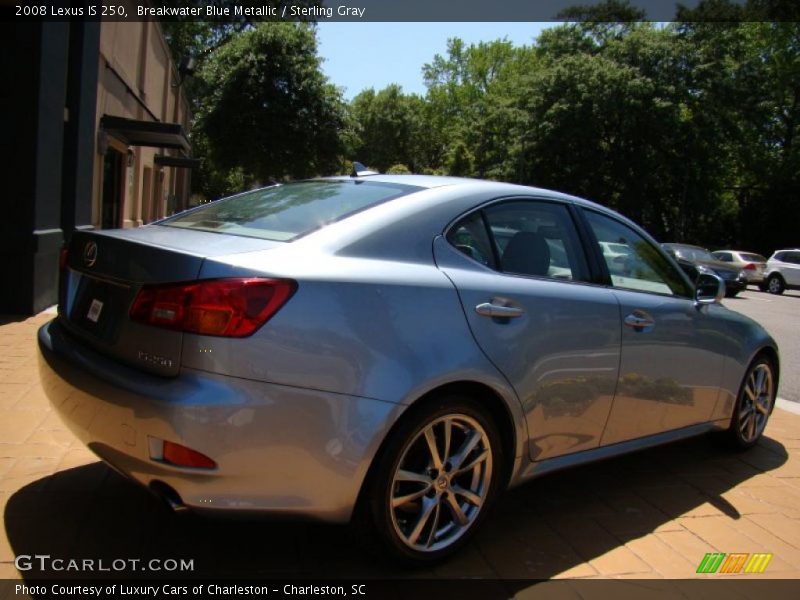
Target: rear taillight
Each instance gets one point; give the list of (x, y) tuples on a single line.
[(222, 307), (749, 267), (63, 258)]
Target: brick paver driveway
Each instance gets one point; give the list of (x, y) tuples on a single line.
[(649, 515)]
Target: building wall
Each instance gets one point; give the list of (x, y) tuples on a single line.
[(63, 76), (137, 79)]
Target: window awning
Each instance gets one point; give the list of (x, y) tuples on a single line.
[(146, 133), (176, 161)]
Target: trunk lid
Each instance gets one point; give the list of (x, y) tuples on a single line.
[(105, 271)]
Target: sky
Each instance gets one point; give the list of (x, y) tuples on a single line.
[(363, 55)]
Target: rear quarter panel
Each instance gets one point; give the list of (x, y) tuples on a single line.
[(379, 329)]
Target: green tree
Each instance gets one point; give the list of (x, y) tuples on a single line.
[(387, 125), (266, 109)]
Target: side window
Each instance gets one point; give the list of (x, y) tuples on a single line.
[(641, 266), (792, 257), (536, 239), (470, 237), (779, 256), (723, 256)]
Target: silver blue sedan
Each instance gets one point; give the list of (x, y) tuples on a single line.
[(398, 349)]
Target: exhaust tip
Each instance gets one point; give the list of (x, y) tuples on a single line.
[(169, 496)]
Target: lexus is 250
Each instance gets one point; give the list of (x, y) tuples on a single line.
[(395, 349)]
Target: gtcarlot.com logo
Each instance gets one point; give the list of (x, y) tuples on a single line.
[(45, 562), (719, 562)]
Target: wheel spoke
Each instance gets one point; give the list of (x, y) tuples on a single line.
[(401, 500), (465, 450), (468, 495), (751, 430), (404, 475), (434, 526), (473, 463), (744, 423), (760, 382), (430, 437), (745, 413), (455, 508), (750, 394), (448, 434), (762, 405), (427, 509)]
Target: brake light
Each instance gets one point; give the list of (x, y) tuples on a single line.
[(63, 258), (749, 267), (221, 307)]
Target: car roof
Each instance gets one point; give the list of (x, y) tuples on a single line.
[(469, 185)]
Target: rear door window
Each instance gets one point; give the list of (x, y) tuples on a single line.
[(525, 237)]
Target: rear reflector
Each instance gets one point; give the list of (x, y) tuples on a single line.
[(181, 456), (221, 307)]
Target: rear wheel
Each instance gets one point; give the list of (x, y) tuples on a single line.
[(435, 480), (775, 284), (754, 404)]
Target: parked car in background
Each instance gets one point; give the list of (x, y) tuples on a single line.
[(753, 265), (783, 271), (734, 277), (395, 348)]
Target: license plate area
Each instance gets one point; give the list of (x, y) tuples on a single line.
[(99, 307)]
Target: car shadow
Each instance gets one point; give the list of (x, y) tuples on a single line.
[(552, 526)]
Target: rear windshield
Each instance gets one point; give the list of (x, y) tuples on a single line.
[(753, 257), (285, 212)]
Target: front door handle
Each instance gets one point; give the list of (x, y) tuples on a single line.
[(489, 309), (640, 321)]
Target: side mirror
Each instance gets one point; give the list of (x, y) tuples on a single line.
[(710, 288)]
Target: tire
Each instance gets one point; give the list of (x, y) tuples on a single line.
[(731, 293), (762, 286), (418, 507), (754, 404), (775, 284)]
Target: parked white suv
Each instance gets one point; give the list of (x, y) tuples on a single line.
[(783, 271)]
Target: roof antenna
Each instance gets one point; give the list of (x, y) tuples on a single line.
[(360, 170)]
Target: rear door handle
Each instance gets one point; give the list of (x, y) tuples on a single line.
[(489, 309), (640, 321)]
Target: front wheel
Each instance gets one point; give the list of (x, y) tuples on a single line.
[(435, 481), (754, 404)]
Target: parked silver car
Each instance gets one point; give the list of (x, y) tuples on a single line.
[(752, 265), (399, 348), (783, 271)]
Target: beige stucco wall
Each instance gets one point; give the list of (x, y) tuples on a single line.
[(137, 79)]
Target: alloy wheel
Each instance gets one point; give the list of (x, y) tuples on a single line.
[(774, 285), (756, 403), (441, 483)]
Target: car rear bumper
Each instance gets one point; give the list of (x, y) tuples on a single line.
[(754, 277), (278, 449)]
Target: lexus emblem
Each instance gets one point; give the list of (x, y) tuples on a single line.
[(90, 254)]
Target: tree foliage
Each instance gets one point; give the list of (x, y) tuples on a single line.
[(690, 128), (266, 109)]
